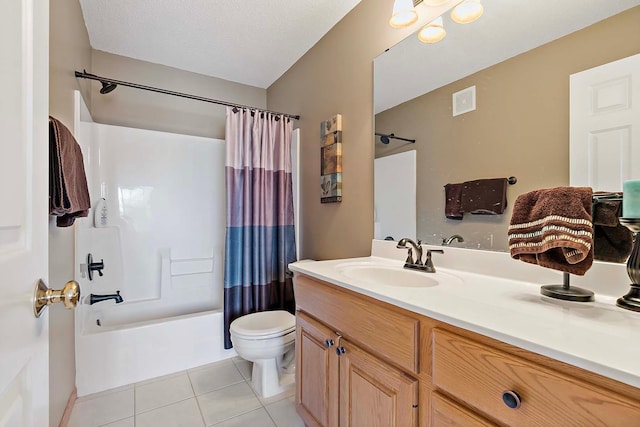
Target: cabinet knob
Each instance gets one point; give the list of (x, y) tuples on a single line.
[(511, 399), (328, 343), (340, 351)]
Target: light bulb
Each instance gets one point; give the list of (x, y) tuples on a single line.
[(433, 32), (467, 11), (404, 14)]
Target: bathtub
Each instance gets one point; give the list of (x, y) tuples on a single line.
[(116, 354), (162, 248)]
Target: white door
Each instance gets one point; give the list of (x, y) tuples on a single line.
[(605, 125), (394, 182), (24, 344)]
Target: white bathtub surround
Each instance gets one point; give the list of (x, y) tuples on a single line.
[(500, 298), (210, 395), (163, 249), (165, 197)]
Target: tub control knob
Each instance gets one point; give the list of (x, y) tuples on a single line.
[(43, 296), (94, 266), (511, 399), (328, 343)]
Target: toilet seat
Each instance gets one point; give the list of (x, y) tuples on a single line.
[(263, 325)]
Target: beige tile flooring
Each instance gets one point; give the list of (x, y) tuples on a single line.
[(218, 395)]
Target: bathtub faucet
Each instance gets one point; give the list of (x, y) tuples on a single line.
[(93, 298)]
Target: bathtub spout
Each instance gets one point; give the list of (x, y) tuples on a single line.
[(93, 298)]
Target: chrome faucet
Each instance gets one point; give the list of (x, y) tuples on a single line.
[(411, 262), (93, 298), (449, 240)]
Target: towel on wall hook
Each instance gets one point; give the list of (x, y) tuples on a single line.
[(68, 192)]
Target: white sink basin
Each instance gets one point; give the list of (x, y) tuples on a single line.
[(395, 275)]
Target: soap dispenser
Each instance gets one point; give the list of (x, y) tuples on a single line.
[(100, 213)]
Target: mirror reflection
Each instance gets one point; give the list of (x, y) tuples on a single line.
[(517, 59)]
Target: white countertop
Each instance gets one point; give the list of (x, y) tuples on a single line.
[(596, 336)]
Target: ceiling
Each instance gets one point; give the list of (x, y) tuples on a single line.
[(507, 28), (252, 42)]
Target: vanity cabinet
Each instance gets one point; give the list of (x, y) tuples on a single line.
[(338, 381), (363, 362)]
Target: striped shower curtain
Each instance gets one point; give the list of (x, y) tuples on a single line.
[(260, 240)]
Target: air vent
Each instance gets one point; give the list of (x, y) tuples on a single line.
[(464, 101)]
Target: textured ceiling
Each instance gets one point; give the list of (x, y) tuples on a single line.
[(507, 28), (251, 42)]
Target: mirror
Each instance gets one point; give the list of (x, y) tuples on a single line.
[(519, 58)]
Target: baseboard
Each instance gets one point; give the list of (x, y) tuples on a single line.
[(67, 410)]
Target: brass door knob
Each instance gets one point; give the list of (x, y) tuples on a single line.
[(43, 296)]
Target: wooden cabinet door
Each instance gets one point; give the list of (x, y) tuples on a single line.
[(316, 373), (372, 393)]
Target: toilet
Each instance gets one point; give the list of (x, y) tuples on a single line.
[(268, 340)]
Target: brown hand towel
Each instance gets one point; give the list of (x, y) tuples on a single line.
[(452, 193), (612, 240), (552, 228), (484, 196), (68, 192)]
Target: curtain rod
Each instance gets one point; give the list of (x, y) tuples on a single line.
[(106, 80)]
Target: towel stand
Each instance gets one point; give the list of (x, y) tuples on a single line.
[(606, 197), (566, 291), (574, 293)]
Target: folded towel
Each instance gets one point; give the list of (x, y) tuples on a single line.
[(552, 228), (484, 196), (612, 241), (68, 192), (452, 193)]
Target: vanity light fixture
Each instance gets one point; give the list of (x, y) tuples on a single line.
[(433, 32), (404, 14), (467, 11)]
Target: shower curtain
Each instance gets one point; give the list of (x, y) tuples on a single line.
[(260, 240)]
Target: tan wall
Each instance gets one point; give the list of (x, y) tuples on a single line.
[(68, 50), (520, 127), (142, 109), (336, 76)]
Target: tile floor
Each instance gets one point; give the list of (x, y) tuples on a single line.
[(218, 395)]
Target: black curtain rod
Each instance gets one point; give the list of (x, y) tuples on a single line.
[(106, 80)]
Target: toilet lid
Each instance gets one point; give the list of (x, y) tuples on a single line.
[(264, 324)]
